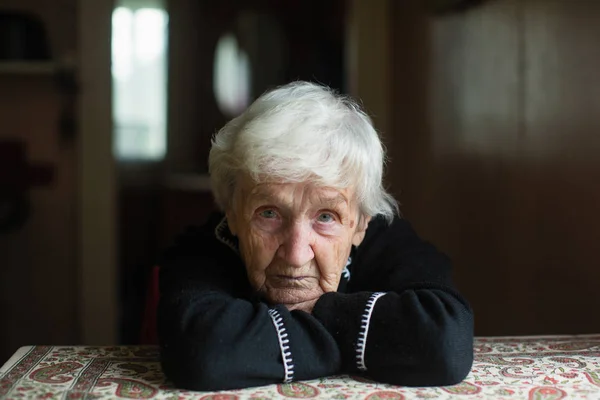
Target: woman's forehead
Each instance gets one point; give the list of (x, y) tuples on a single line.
[(285, 191)]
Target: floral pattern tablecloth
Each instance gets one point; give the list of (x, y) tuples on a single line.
[(505, 368)]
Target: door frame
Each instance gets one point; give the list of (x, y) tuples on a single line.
[(97, 180), (369, 60)]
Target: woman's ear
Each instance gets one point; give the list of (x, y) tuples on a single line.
[(361, 230)]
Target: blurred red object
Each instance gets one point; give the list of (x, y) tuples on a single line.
[(15, 173), (148, 335)]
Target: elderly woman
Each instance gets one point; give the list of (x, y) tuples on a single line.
[(309, 271)]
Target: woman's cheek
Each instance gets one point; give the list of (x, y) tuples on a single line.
[(326, 257), (263, 247), (330, 281)]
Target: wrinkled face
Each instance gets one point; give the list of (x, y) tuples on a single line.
[(295, 238)]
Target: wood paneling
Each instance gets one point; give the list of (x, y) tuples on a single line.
[(496, 128), (560, 145)]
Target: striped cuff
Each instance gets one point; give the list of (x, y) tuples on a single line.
[(361, 345), (284, 345)]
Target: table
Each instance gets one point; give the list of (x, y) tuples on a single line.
[(553, 367)]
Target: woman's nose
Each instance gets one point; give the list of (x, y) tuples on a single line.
[(296, 249)]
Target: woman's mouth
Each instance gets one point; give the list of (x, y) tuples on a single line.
[(290, 281), (292, 278)]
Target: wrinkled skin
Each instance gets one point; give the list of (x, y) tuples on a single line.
[(295, 239)]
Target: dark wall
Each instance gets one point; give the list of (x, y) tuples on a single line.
[(495, 132)]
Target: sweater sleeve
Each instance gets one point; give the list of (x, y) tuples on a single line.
[(214, 336), (403, 322)]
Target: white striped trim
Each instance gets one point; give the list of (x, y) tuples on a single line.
[(346, 271), (224, 227), (361, 346), (286, 354)]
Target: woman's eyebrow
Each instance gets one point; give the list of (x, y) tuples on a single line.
[(262, 196), (333, 201)]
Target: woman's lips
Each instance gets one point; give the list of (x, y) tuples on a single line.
[(290, 281), (293, 278)]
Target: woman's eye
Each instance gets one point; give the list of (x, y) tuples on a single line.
[(325, 217), (269, 214)]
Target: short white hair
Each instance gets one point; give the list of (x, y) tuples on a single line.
[(303, 132)]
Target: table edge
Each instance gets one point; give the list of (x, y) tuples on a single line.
[(22, 351)]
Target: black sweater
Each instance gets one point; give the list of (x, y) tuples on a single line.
[(396, 317)]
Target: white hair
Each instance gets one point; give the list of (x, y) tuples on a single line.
[(303, 132)]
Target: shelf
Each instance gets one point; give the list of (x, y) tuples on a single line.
[(28, 67)]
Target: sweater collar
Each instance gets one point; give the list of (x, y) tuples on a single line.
[(224, 235)]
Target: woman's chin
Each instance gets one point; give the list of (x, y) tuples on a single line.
[(289, 296)]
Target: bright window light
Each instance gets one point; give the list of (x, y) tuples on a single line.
[(232, 83), (139, 75)]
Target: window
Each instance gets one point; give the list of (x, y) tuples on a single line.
[(139, 75)]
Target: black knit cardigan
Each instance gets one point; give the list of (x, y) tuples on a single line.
[(396, 317)]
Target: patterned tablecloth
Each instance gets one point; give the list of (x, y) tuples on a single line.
[(505, 368)]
